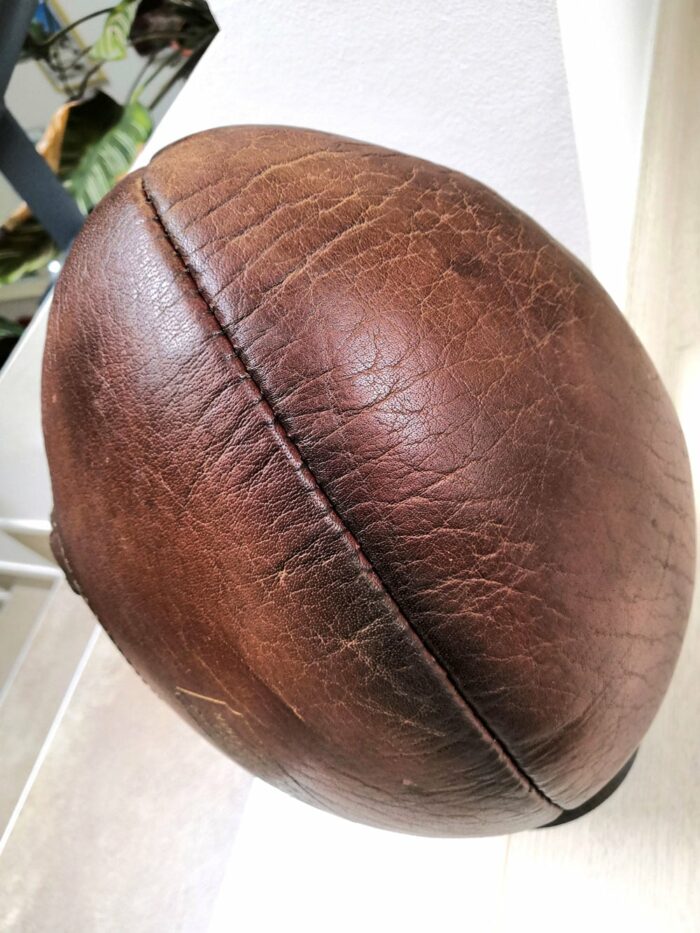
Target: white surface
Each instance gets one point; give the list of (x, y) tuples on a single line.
[(25, 490), (123, 818), (608, 48), (302, 871), (16, 559)]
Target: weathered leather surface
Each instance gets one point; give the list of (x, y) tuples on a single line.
[(369, 478)]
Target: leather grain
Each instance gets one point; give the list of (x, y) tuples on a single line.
[(369, 478)]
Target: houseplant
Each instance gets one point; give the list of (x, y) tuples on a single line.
[(92, 139)]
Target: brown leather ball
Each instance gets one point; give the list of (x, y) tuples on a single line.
[(368, 477)]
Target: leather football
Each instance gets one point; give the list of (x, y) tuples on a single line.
[(368, 477)]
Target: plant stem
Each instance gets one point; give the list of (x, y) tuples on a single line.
[(181, 34), (63, 32), (137, 80), (86, 79), (165, 62), (175, 77)]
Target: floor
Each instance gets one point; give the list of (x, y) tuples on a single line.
[(115, 816)]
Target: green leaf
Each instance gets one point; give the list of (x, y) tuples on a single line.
[(10, 328), (110, 157), (24, 249), (88, 121), (111, 46)]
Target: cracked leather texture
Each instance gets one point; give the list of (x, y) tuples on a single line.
[(369, 478)]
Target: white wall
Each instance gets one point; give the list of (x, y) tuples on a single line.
[(608, 47)]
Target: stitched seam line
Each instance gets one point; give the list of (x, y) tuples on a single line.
[(487, 733)]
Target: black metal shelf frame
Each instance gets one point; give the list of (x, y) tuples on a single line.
[(20, 163)]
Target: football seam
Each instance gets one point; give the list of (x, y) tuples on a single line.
[(365, 564)]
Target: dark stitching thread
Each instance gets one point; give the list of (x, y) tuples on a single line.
[(62, 558), (330, 509)]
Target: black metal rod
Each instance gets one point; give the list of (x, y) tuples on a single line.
[(34, 181), (27, 172), (15, 17)]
